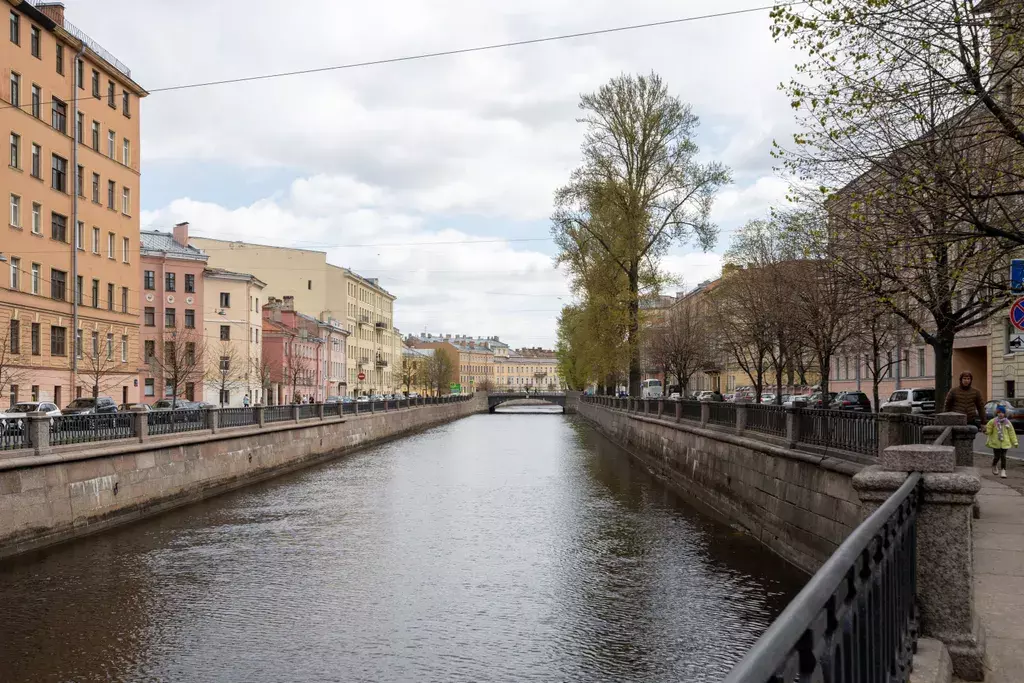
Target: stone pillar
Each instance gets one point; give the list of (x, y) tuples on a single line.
[(792, 426), (213, 418), (741, 417), (705, 414), (260, 419), (320, 410), (889, 424), (945, 558), (661, 407), (140, 420), (679, 411), (373, 406), (37, 426), (963, 436), (295, 412)]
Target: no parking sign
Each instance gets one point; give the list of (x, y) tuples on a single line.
[(1017, 313)]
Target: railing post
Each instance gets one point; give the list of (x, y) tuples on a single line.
[(963, 436), (295, 412), (140, 423), (741, 417), (213, 416), (705, 413), (37, 425), (792, 426), (679, 411), (320, 411), (661, 407), (373, 406), (260, 418), (889, 423), (945, 556)]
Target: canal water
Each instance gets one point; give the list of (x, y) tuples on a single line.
[(506, 547)]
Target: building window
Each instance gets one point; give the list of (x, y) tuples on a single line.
[(111, 189), (16, 274), (16, 39), (36, 270), (110, 296), (169, 390), (169, 282), (14, 336), (34, 340), (124, 348), (149, 349), (37, 163), (225, 397), (15, 89), (124, 299), (34, 38), (80, 73), (190, 319), (149, 387), (225, 300), (126, 152), (126, 201), (95, 240), (59, 116), (15, 210), (80, 181), (96, 84), (148, 279), (80, 235), (58, 341), (190, 352), (58, 227), (111, 241), (78, 342), (111, 101), (37, 101), (225, 363), (95, 293), (15, 151), (920, 363), (190, 282), (124, 249), (111, 141), (126, 104), (59, 173), (225, 333), (96, 135), (80, 127), (149, 317), (169, 317), (190, 391), (60, 59)]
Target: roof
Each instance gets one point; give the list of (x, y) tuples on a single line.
[(156, 243), (417, 353), (231, 275)]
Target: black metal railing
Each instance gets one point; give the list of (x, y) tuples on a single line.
[(277, 413), (841, 429), (766, 419), (912, 427), (722, 413), (71, 429), (332, 409), (855, 620), (348, 408), (176, 421), (236, 417), (13, 434), (690, 410), (308, 411)]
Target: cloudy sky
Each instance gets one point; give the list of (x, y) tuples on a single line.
[(395, 169)]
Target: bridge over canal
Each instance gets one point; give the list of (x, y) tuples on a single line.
[(566, 399)]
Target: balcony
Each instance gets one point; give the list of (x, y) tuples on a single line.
[(381, 363), (381, 326), (364, 320), (364, 361)]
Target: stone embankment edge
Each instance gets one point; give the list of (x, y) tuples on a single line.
[(41, 538)]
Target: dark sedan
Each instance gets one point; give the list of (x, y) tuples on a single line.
[(856, 401)]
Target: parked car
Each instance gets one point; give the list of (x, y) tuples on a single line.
[(729, 398), (347, 399), (1015, 413), (128, 407), (856, 401), (91, 406), (767, 398), (413, 394), (169, 404), (333, 399), (703, 395), (12, 420), (918, 400), (675, 396), (820, 400), (363, 399)]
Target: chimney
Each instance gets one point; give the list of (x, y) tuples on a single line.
[(53, 10), (730, 268), (289, 301), (181, 234)]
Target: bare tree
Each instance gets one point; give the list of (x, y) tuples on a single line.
[(680, 343), (100, 364), (263, 371), (296, 370), (410, 374), (743, 324), (879, 334), (485, 384), (180, 361), (225, 370), (12, 373)]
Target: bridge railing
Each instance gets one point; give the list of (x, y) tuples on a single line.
[(841, 431), (36, 433), (855, 620)]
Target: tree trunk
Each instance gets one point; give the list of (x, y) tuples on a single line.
[(633, 333), (825, 362), (943, 348)]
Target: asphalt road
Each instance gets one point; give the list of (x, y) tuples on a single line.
[(979, 447)]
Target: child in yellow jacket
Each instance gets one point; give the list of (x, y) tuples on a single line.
[(1001, 437)]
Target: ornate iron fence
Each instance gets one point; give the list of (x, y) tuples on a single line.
[(277, 413), (308, 411), (13, 435), (722, 413), (840, 429), (691, 410), (855, 620), (766, 419), (332, 409), (236, 417), (71, 429), (912, 426), (176, 421)]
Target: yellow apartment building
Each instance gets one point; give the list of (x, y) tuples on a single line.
[(69, 299), (330, 293), (535, 369), (232, 327)]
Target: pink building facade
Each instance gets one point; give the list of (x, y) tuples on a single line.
[(305, 357), (172, 315)]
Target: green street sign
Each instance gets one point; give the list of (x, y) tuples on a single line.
[(455, 388)]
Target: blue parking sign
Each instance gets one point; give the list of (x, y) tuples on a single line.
[(1017, 275)]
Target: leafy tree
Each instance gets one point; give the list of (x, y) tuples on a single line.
[(639, 190), (440, 369), (410, 374)]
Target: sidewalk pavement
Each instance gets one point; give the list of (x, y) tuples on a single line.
[(999, 570), (979, 447)]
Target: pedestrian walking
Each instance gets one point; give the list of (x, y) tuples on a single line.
[(1001, 437), (966, 400), (717, 397), (245, 401)]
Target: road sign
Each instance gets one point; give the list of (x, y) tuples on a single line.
[(1017, 313), (455, 388), (361, 376), (1017, 275), (1016, 343)]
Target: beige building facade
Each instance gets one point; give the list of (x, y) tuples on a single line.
[(70, 115), (330, 293), (233, 327)]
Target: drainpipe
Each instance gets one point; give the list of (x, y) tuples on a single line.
[(75, 292)]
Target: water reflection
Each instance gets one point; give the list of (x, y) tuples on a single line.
[(503, 547)]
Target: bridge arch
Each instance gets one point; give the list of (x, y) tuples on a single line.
[(556, 398)]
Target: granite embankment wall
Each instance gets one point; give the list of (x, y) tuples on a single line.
[(77, 490), (799, 505)]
